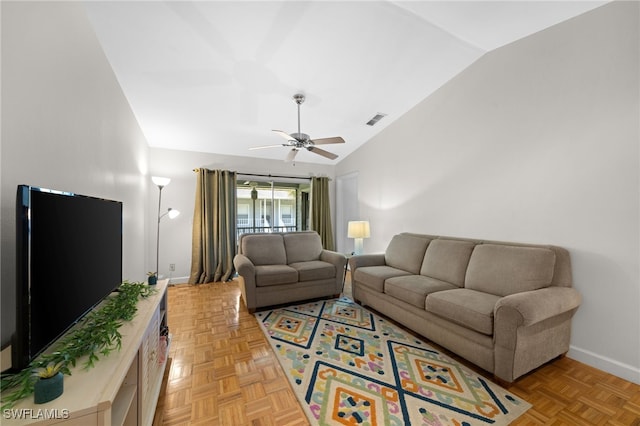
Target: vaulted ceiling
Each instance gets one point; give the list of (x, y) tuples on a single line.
[(219, 76)]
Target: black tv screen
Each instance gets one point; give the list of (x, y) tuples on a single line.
[(69, 258)]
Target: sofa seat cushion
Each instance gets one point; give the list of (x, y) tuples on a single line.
[(468, 308), (413, 289), (503, 270), (314, 270), (267, 275), (375, 276)]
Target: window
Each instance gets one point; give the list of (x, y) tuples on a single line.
[(271, 207)]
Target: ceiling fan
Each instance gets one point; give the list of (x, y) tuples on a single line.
[(298, 141)]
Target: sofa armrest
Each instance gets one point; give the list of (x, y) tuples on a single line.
[(531, 307), (335, 258), (338, 260), (360, 260), (247, 272), (244, 266), (531, 328)]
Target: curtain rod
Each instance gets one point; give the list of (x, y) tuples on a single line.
[(269, 175), (273, 176)]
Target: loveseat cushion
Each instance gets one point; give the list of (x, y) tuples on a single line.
[(267, 275), (373, 277), (405, 252), (447, 260), (413, 289), (468, 308), (264, 249), (504, 270), (302, 246), (314, 270)]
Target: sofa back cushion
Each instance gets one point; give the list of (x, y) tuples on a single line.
[(302, 246), (406, 252), (503, 269), (264, 249), (447, 260)]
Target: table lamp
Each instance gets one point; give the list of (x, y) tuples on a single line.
[(358, 229)]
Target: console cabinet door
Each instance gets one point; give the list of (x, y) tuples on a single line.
[(149, 369)]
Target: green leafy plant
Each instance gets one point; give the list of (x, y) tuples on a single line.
[(94, 336)]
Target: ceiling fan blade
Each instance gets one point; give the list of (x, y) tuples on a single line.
[(291, 155), (268, 146), (285, 135), (322, 152), (326, 141)]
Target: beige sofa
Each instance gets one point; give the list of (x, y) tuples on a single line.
[(277, 268), (506, 307)]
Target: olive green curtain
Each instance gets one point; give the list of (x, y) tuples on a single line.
[(321, 211), (214, 227)]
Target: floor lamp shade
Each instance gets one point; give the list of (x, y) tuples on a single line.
[(358, 229), (161, 181)]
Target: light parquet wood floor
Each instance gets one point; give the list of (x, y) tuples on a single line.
[(222, 372)]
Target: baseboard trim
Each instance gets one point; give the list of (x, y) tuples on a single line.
[(617, 368), (178, 280)]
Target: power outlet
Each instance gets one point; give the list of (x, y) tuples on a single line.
[(172, 267)]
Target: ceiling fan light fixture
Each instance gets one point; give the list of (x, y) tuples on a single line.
[(292, 155)]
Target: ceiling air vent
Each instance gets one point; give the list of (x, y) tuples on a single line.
[(375, 119)]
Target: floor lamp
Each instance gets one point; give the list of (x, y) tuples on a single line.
[(358, 229), (161, 182)]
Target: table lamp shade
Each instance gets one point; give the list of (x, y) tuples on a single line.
[(358, 229)]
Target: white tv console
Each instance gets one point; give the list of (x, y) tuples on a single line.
[(121, 389)]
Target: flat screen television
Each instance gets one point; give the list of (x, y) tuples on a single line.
[(68, 259)]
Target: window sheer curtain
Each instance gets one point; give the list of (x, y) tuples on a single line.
[(214, 227), (321, 211)]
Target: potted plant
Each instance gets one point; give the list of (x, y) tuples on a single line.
[(153, 278), (50, 383)]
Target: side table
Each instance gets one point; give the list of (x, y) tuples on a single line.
[(346, 268)]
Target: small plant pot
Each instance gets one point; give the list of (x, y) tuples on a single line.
[(46, 390), (153, 280)]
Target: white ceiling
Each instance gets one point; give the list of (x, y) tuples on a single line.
[(218, 76)]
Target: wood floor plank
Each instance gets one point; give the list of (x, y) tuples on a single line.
[(222, 371)]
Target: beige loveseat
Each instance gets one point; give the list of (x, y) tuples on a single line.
[(506, 307), (277, 268)]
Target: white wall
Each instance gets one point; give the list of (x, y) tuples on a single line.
[(65, 125), (536, 142), (175, 235)]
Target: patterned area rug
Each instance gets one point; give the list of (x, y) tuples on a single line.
[(349, 366)]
